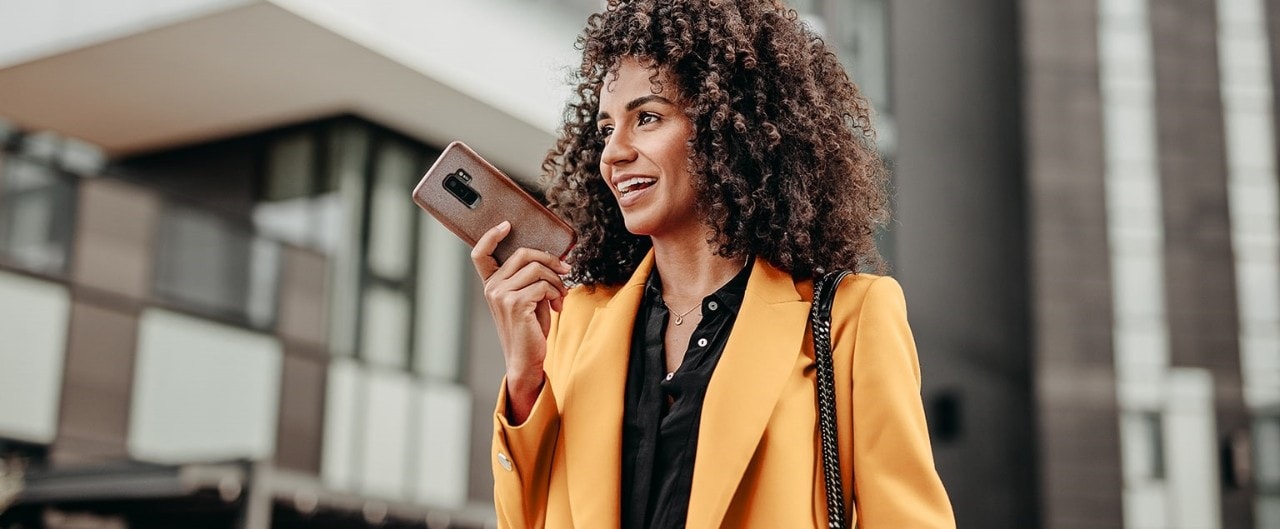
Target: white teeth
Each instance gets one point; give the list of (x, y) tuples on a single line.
[(627, 185)]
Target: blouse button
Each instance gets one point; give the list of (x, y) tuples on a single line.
[(702, 342)]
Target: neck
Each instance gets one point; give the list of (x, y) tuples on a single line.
[(690, 269)]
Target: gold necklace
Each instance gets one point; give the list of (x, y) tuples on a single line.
[(679, 317)]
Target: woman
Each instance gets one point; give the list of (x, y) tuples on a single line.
[(717, 158)]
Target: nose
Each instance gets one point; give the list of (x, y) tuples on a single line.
[(617, 149)]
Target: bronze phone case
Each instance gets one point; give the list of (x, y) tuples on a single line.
[(469, 196)]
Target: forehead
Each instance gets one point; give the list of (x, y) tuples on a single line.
[(634, 78)]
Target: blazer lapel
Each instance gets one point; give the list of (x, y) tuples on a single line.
[(762, 349), (593, 407)]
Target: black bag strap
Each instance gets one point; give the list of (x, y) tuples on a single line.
[(824, 295)]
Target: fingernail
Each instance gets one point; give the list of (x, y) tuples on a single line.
[(505, 225)]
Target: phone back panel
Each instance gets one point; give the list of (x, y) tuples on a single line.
[(500, 198)]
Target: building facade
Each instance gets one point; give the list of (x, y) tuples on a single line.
[(219, 308), (1086, 231)]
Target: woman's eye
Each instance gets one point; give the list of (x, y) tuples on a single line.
[(647, 118), (606, 130)]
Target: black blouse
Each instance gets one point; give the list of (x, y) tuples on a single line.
[(662, 410)]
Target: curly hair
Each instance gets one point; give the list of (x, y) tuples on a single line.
[(783, 151)]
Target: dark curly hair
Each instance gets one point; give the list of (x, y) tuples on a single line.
[(783, 151)]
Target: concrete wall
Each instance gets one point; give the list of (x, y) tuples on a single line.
[(512, 55), (33, 29), (1073, 362), (961, 250), (33, 322)]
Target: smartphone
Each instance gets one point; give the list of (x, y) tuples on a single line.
[(469, 196)]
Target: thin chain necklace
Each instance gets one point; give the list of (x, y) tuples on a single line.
[(679, 317)]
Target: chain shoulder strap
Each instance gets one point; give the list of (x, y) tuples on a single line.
[(824, 293)]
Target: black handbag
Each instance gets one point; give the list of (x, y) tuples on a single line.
[(824, 294)]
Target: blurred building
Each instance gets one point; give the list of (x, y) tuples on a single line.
[(218, 307), (1087, 233)]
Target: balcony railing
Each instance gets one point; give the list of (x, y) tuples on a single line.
[(202, 261), (37, 215)]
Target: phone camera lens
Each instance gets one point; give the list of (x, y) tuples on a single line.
[(461, 190)]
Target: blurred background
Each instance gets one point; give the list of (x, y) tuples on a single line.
[(219, 308)]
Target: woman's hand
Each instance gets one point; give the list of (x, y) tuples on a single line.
[(521, 293)]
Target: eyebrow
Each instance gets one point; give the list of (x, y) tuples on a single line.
[(635, 103)]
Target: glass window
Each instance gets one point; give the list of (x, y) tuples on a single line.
[(340, 186), (1266, 448), (1142, 447), (443, 302), (286, 208), (264, 276), (385, 330), (290, 167), (37, 215), (207, 263), (348, 157), (390, 217), (343, 187)]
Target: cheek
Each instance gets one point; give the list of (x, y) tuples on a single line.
[(678, 156), (682, 160)]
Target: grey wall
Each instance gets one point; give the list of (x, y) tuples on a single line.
[(1073, 361), (1200, 280), (961, 252)]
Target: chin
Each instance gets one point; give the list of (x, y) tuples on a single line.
[(637, 228), (639, 224)]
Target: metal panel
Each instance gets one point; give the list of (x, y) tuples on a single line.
[(94, 422)]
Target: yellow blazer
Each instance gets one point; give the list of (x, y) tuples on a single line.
[(758, 460)]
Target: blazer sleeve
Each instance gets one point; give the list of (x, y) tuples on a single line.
[(522, 454), (895, 482), (521, 460)]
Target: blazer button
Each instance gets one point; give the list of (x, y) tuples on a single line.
[(502, 460)]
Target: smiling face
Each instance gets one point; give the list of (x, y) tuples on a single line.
[(645, 160)]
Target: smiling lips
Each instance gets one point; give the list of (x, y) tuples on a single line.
[(634, 183)]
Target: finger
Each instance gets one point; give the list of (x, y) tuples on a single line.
[(540, 292), (533, 296), (534, 272), (526, 256), (482, 253), (543, 313)]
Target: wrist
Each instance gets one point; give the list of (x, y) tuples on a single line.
[(525, 382), (522, 393)]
